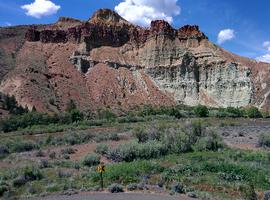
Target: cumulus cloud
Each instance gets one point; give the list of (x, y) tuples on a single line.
[(266, 57), (41, 8), (266, 45), (142, 12), (225, 35)]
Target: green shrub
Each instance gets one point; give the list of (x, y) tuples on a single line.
[(52, 155), (4, 150), (210, 142), (178, 188), (253, 112), (114, 137), (19, 181), (91, 160), (11, 104), (102, 149), (22, 146), (72, 138), (43, 164), (107, 114), (248, 192), (132, 187), (116, 188), (264, 140), (201, 111), (134, 150), (235, 112), (4, 187), (76, 115), (16, 122), (27, 174), (141, 134)]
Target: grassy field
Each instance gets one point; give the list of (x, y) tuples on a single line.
[(156, 154)]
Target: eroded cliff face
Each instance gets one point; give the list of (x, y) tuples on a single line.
[(106, 61)]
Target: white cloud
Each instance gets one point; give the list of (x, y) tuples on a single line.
[(41, 8), (8, 24), (264, 58), (142, 12), (225, 35), (266, 44)]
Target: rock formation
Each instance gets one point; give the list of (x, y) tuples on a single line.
[(108, 62)]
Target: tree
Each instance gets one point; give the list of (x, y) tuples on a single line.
[(76, 115), (253, 112), (201, 111), (11, 104)]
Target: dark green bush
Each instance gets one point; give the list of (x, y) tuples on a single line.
[(4, 187), (19, 181), (11, 104), (76, 115), (16, 122), (235, 112), (91, 160), (177, 188), (116, 188), (201, 111), (4, 150), (22, 146), (253, 112)]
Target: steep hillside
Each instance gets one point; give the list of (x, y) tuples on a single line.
[(108, 62)]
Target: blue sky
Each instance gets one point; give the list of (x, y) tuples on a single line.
[(246, 21)]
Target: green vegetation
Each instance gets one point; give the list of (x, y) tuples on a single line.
[(10, 104), (264, 140), (157, 146), (102, 149), (201, 111), (116, 188), (91, 160), (41, 122), (253, 112)]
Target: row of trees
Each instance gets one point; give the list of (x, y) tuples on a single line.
[(201, 111), (22, 117)]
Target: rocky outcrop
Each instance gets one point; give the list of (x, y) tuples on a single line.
[(106, 61)]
